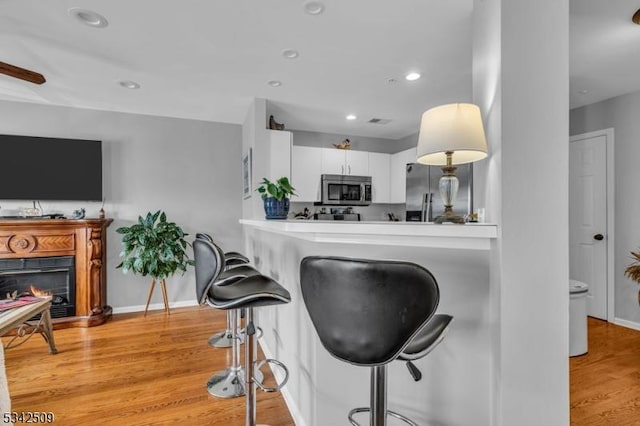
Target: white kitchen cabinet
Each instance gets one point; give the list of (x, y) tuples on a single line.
[(306, 168), (345, 162), (380, 170), (398, 178), (280, 143)]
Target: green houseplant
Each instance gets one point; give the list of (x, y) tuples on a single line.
[(275, 196), (154, 247), (633, 270)]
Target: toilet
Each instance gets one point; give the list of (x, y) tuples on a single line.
[(578, 342)]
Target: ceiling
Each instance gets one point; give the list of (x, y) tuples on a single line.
[(207, 60)]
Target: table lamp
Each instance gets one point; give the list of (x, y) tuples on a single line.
[(451, 134)]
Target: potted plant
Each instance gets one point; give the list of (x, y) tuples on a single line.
[(276, 197), (154, 247), (633, 270)]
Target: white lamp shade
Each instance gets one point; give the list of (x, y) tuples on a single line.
[(455, 127)]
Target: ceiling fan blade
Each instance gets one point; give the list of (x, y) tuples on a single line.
[(21, 73)]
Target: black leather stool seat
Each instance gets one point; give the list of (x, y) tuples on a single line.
[(252, 291), (427, 338), (370, 313)]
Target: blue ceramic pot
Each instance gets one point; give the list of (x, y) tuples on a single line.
[(276, 209)]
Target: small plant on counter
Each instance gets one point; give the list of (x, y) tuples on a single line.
[(279, 189), (275, 196)]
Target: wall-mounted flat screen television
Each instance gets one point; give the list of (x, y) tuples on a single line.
[(37, 168)]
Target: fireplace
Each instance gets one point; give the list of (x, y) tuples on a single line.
[(51, 275)]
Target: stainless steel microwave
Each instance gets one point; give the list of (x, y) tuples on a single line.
[(346, 190)]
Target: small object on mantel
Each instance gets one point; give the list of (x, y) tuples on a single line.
[(78, 214), (274, 125), (345, 144)]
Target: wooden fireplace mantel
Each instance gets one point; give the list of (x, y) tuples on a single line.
[(85, 239)]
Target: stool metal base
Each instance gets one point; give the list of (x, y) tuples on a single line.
[(224, 339), (389, 413), (229, 383)]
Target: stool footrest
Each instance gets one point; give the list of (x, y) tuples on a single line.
[(271, 362), (389, 413)]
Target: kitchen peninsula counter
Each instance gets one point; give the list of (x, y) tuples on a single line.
[(468, 236), (457, 385)]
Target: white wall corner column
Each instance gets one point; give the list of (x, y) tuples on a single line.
[(255, 136), (521, 82)]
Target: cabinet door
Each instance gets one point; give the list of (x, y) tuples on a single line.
[(279, 154), (306, 168), (333, 161), (379, 168), (357, 163), (398, 181)]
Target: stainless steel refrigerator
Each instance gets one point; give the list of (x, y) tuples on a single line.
[(423, 197)]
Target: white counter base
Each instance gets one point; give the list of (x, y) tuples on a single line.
[(456, 388)]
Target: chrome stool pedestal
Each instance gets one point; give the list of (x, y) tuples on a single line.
[(229, 383)]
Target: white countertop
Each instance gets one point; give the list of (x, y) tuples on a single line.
[(475, 236)]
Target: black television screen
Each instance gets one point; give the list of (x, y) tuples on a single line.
[(35, 168)]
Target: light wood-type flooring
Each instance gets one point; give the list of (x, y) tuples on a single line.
[(152, 371), (133, 371), (605, 383)]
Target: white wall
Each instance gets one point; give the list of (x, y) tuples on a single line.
[(190, 169), (622, 114), (521, 75)]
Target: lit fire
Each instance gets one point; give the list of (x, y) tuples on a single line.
[(40, 293)]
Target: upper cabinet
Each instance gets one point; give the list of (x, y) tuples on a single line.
[(398, 178), (306, 168), (387, 171), (280, 143), (380, 168), (345, 162)]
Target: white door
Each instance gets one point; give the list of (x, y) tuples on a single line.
[(588, 236)]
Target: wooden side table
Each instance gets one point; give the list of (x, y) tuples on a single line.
[(19, 317)]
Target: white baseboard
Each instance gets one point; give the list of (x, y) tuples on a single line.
[(154, 306), (288, 398), (626, 323)]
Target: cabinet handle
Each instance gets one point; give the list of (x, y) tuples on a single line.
[(349, 168), (598, 237), (342, 169)]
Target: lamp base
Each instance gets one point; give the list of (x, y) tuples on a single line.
[(449, 217)]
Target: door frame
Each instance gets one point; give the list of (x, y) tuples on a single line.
[(610, 231)]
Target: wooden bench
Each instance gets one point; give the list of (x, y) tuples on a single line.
[(19, 317)]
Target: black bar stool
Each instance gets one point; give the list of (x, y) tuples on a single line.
[(248, 293), (228, 383), (225, 338), (371, 312)]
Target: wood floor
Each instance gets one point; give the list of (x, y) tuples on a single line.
[(133, 371), (605, 383), (152, 371)]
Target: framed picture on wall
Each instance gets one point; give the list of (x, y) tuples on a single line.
[(246, 175)]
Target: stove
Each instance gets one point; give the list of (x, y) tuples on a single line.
[(337, 216)]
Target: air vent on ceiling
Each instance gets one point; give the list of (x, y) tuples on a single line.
[(379, 121)]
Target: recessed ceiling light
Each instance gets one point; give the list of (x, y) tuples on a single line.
[(351, 117), (128, 84), (314, 7), (412, 76), (89, 17), (274, 83), (583, 92), (636, 17), (290, 53)]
